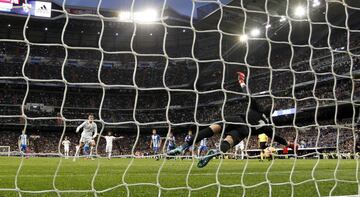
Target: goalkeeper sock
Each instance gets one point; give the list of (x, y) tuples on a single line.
[(269, 132), (205, 133), (225, 146), (280, 140)]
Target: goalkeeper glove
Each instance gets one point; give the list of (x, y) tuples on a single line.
[(241, 78)]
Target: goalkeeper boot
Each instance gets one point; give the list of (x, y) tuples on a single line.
[(205, 160)]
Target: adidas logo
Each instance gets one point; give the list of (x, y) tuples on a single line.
[(44, 8)]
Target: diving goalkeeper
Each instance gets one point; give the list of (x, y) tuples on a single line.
[(234, 133)]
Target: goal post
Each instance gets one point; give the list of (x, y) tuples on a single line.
[(5, 151)]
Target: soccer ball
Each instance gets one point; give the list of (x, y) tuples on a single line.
[(269, 151)]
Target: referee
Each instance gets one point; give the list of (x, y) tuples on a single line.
[(263, 138)]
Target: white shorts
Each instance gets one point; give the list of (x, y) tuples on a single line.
[(66, 149), (86, 140), (108, 149)]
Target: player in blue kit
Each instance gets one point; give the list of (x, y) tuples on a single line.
[(189, 149), (203, 147), (155, 143), (171, 142), (23, 143), (171, 145)]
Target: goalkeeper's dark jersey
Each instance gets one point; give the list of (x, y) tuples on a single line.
[(254, 105), (255, 113)]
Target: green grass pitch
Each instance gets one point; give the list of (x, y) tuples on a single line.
[(37, 174)]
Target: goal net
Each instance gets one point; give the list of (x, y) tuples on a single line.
[(171, 68)]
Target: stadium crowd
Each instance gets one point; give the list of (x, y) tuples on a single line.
[(113, 98), (42, 141)]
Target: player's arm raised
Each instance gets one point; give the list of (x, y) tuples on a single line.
[(103, 136), (244, 89), (80, 126)]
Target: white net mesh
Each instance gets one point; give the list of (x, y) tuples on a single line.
[(139, 70)]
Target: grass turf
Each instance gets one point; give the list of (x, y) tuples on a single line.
[(37, 174)]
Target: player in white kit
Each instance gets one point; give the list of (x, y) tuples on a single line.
[(88, 134), (66, 144), (240, 147), (109, 143)]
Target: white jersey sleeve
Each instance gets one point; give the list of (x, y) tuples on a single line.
[(89, 130), (80, 126)]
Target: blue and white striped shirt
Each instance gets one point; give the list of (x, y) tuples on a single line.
[(23, 139), (203, 142), (155, 139)]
